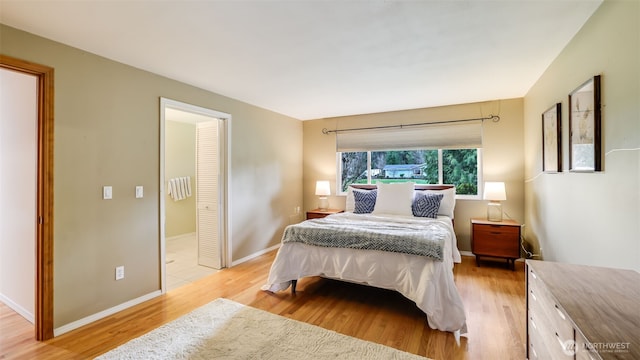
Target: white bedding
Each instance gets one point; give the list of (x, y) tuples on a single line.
[(427, 282)]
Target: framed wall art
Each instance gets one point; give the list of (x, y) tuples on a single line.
[(585, 127), (552, 139)]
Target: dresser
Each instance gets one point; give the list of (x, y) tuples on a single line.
[(582, 312), (499, 239)]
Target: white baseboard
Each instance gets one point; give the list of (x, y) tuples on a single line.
[(18, 308), (102, 314), (254, 255)]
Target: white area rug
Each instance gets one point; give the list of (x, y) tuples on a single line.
[(224, 329)]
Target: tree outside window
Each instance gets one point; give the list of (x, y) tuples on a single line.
[(433, 166)]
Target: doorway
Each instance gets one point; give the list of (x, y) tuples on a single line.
[(42, 218), (193, 192), (18, 145)]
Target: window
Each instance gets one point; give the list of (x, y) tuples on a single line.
[(447, 152), (434, 166)]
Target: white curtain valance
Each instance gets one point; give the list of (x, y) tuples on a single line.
[(459, 135)]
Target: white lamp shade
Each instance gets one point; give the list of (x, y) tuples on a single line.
[(323, 188), (494, 191)]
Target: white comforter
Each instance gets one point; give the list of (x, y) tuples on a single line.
[(427, 282)]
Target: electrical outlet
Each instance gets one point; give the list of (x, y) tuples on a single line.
[(119, 272)]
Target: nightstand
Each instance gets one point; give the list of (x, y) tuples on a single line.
[(317, 213), (499, 239)]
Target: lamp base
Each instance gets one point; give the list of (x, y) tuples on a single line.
[(494, 211), (323, 203)]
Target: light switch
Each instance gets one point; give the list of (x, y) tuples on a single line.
[(139, 192), (107, 192)]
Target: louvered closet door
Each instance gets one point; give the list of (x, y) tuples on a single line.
[(207, 175)]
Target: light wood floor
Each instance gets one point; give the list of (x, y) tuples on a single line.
[(493, 296)]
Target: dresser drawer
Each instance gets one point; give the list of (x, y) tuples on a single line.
[(554, 327), (532, 279), (543, 304), (537, 348), (542, 330)]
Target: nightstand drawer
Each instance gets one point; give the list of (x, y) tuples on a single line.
[(496, 239), (315, 215), (496, 231), (502, 242), (318, 213)]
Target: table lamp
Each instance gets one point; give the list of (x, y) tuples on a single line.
[(323, 189), (494, 192)]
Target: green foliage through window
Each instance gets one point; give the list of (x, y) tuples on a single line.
[(459, 167)]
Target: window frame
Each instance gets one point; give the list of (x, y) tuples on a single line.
[(478, 196)]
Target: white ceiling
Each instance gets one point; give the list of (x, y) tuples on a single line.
[(315, 59)]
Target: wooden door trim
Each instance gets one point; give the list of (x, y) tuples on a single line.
[(44, 207)]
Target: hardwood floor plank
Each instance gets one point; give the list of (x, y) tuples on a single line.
[(494, 298)]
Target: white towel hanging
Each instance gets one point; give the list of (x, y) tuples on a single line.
[(179, 188), (182, 191), (188, 186), (174, 190)]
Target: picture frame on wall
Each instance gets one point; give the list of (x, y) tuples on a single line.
[(552, 139), (585, 127)]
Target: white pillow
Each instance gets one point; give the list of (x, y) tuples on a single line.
[(351, 201), (394, 199), (448, 203)]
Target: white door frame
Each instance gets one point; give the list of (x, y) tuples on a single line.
[(224, 136)]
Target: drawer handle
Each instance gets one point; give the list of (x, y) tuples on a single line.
[(535, 354), (534, 275), (533, 323), (533, 296), (560, 341), (495, 233), (568, 347), (560, 312)]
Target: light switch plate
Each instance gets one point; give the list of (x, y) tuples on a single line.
[(107, 192), (119, 272), (139, 192)]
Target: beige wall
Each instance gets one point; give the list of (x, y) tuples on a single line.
[(590, 218), (180, 160), (107, 132), (502, 154)]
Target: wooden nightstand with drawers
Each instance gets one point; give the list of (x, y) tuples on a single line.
[(499, 239), (317, 213)]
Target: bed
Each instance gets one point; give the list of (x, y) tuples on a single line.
[(383, 245)]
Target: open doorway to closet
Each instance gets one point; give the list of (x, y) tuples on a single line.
[(193, 198)]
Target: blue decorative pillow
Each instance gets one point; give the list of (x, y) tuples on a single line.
[(426, 204), (365, 201)]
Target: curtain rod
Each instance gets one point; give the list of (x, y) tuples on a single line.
[(494, 118)]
